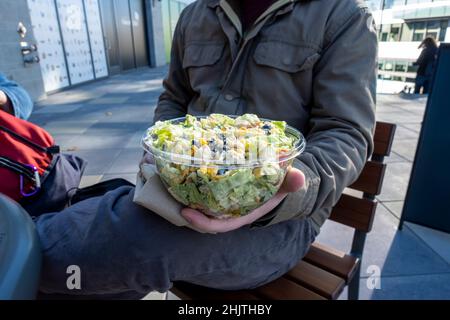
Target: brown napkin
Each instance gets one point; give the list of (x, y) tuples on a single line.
[(152, 194)]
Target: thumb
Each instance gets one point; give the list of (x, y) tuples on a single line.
[(294, 180)]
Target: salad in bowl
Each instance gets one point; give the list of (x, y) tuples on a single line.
[(224, 166)]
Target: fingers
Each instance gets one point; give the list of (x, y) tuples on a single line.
[(207, 224), (294, 180), (201, 221), (147, 158), (196, 218)]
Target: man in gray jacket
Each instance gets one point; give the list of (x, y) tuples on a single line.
[(311, 63)]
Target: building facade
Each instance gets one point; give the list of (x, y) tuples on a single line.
[(171, 10), (11, 58), (70, 42), (402, 25)]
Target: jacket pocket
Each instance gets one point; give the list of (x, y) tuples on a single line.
[(285, 56), (202, 54)]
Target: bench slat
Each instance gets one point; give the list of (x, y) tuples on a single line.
[(284, 289), (383, 138), (316, 279), (354, 212), (371, 178), (332, 260), (187, 291)]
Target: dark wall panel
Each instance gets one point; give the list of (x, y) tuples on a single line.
[(428, 197)]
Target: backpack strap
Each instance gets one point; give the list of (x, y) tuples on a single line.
[(28, 171), (98, 189), (49, 150)]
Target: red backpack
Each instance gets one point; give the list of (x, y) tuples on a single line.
[(32, 171), (26, 154)]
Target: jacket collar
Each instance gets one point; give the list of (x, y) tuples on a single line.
[(278, 7), (216, 3)]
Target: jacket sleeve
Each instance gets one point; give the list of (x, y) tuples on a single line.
[(20, 100), (342, 120), (177, 92)]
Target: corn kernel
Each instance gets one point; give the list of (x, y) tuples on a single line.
[(212, 171), (257, 172)]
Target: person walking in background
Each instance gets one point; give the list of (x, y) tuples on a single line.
[(14, 99), (426, 63)]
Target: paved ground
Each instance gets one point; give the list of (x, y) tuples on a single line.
[(103, 122), (414, 262)]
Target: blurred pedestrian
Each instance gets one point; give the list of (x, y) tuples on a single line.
[(426, 63)]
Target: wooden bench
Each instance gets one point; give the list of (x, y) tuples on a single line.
[(324, 271)]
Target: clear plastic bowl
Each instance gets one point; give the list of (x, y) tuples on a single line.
[(219, 189)]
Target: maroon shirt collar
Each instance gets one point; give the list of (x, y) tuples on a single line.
[(251, 10)]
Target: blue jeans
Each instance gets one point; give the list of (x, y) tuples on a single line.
[(422, 82), (125, 251), (20, 100)]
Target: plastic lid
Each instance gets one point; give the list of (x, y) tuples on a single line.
[(299, 145)]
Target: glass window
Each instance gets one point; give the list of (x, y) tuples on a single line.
[(443, 30), (438, 11), (394, 35), (412, 68), (374, 4), (384, 32), (419, 31), (389, 66), (432, 34), (166, 28), (171, 10), (407, 31), (418, 37), (174, 13), (433, 28), (400, 66), (432, 25), (395, 70), (398, 2), (388, 4), (416, 1), (392, 3)]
